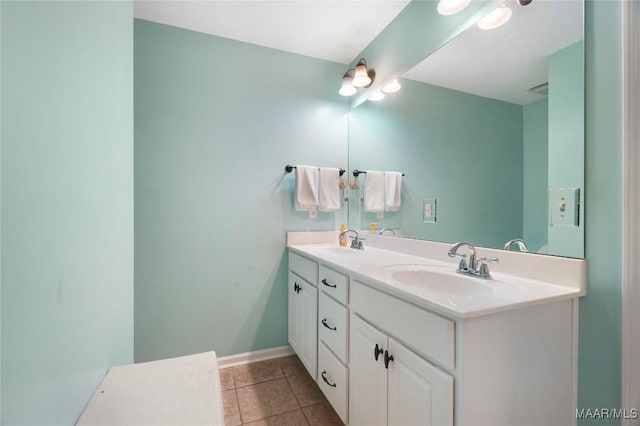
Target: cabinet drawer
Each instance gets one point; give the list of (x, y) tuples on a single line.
[(334, 283), (333, 323), (333, 379), (307, 269), (429, 334)]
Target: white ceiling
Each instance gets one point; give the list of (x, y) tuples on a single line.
[(335, 30), (500, 64), (503, 63)]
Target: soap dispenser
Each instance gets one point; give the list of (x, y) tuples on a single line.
[(342, 240)]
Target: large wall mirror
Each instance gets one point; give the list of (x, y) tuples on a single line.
[(489, 132)]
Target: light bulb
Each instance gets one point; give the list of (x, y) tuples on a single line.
[(378, 96), (495, 19), (451, 7), (361, 77), (392, 87), (347, 88)]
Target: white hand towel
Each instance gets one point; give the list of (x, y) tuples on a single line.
[(306, 197), (392, 191), (329, 189), (374, 192)]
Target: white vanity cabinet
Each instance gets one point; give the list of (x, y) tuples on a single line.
[(509, 368), (390, 384), (385, 357), (303, 310), (333, 339), (319, 326)]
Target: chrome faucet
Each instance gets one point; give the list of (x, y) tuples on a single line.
[(385, 230), (356, 242), (475, 267), (522, 246)]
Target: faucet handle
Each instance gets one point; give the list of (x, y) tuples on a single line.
[(463, 261), (462, 266), (483, 269), (356, 243)]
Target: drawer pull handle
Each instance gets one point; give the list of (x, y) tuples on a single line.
[(324, 322), (377, 351), (324, 281), (324, 377), (387, 359)]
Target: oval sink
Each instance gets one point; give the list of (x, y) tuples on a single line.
[(441, 282)]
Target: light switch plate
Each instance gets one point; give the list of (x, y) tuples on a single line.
[(429, 210), (564, 206)]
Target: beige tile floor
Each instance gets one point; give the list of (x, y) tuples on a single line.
[(274, 392)]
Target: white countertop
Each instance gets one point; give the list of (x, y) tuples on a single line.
[(376, 267)]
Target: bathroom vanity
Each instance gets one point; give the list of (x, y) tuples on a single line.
[(393, 335)]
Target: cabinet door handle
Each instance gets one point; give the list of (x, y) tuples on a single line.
[(324, 322), (387, 359), (324, 281), (377, 351), (324, 377), (296, 287)]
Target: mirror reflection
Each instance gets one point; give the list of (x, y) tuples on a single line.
[(489, 133)]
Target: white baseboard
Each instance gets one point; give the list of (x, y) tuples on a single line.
[(248, 357)]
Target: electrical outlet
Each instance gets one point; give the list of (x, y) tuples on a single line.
[(429, 210)]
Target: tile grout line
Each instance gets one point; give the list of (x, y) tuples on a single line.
[(238, 405), (293, 393), (284, 376), (294, 396), (281, 368)]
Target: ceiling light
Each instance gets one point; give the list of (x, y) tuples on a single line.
[(495, 19), (392, 87), (363, 77), (378, 96), (451, 7), (347, 88)]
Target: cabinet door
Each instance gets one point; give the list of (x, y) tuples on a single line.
[(367, 377), (419, 393), (307, 327), (294, 308)]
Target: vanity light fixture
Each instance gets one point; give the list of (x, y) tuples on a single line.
[(495, 19), (347, 88), (363, 77), (392, 87), (356, 78), (378, 96), (451, 7)]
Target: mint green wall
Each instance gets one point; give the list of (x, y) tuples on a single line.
[(534, 170), (600, 311), (216, 121), (462, 149), (566, 141), (0, 215), (67, 204)]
